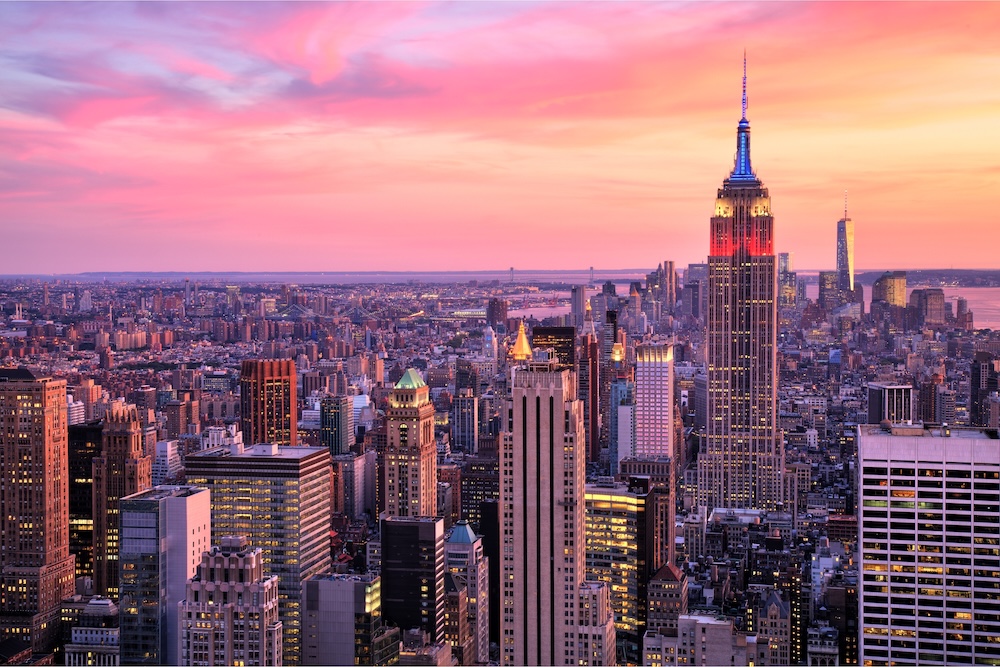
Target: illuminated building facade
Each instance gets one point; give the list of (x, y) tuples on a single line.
[(279, 498), (84, 445), (891, 288), (411, 452), (466, 561), (654, 401), (164, 532), (37, 567), (229, 615), (743, 457), (268, 401), (122, 469), (542, 479), (336, 424), (930, 545), (845, 253)]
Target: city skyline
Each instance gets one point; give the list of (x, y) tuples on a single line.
[(196, 132)]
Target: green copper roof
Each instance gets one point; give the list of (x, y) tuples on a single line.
[(411, 380)]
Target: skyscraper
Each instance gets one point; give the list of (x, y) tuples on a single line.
[(122, 469), (929, 587), (542, 505), (413, 568), (743, 458), (411, 452), (165, 530), (845, 252), (466, 561), (336, 424), (654, 401), (36, 567), (279, 498), (268, 402)]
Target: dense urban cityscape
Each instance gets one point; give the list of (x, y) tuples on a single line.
[(205, 473)]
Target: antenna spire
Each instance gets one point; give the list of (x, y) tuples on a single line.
[(744, 83), (845, 204)]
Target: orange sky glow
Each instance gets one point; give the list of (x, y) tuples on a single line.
[(461, 136)]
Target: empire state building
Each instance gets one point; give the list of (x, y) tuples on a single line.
[(743, 459)]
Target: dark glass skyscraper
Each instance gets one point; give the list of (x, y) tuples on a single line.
[(743, 459)]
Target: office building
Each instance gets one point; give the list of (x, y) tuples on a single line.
[(787, 281), (654, 401), (349, 486), (268, 401), (36, 566), (122, 469), (411, 452), (890, 287), (542, 505), (984, 379), (466, 561), (621, 432), (279, 498), (465, 421), (229, 615), (743, 457), (413, 568), (164, 531), (890, 402), (562, 340), (343, 622), (84, 445), (94, 641), (928, 538), (336, 424), (589, 385)]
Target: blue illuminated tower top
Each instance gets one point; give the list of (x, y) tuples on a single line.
[(742, 170)]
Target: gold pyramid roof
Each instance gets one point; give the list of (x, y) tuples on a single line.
[(522, 349)]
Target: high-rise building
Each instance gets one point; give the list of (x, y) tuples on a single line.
[(560, 339), (743, 457), (845, 252), (84, 445), (465, 421), (984, 379), (578, 301), (466, 561), (589, 384), (279, 498), (890, 402), (122, 469), (36, 566), (343, 622), (268, 402), (891, 288), (621, 435), (229, 615), (336, 424), (787, 281), (411, 452), (654, 401), (542, 506), (927, 522), (413, 568), (164, 532)]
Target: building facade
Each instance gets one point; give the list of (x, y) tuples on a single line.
[(930, 545), (411, 452), (37, 567), (279, 498), (164, 532), (743, 457), (269, 401)]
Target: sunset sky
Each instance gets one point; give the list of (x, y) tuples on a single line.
[(411, 136)]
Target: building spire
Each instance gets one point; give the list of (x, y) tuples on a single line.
[(845, 204), (744, 117), (742, 170)]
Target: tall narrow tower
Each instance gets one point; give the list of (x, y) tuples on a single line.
[(845, 252), (411, 454), (743, 459), (122, 469), (542, 479), (268, 403), (36, 567)]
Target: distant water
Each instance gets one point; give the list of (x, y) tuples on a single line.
[(984, 302)]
